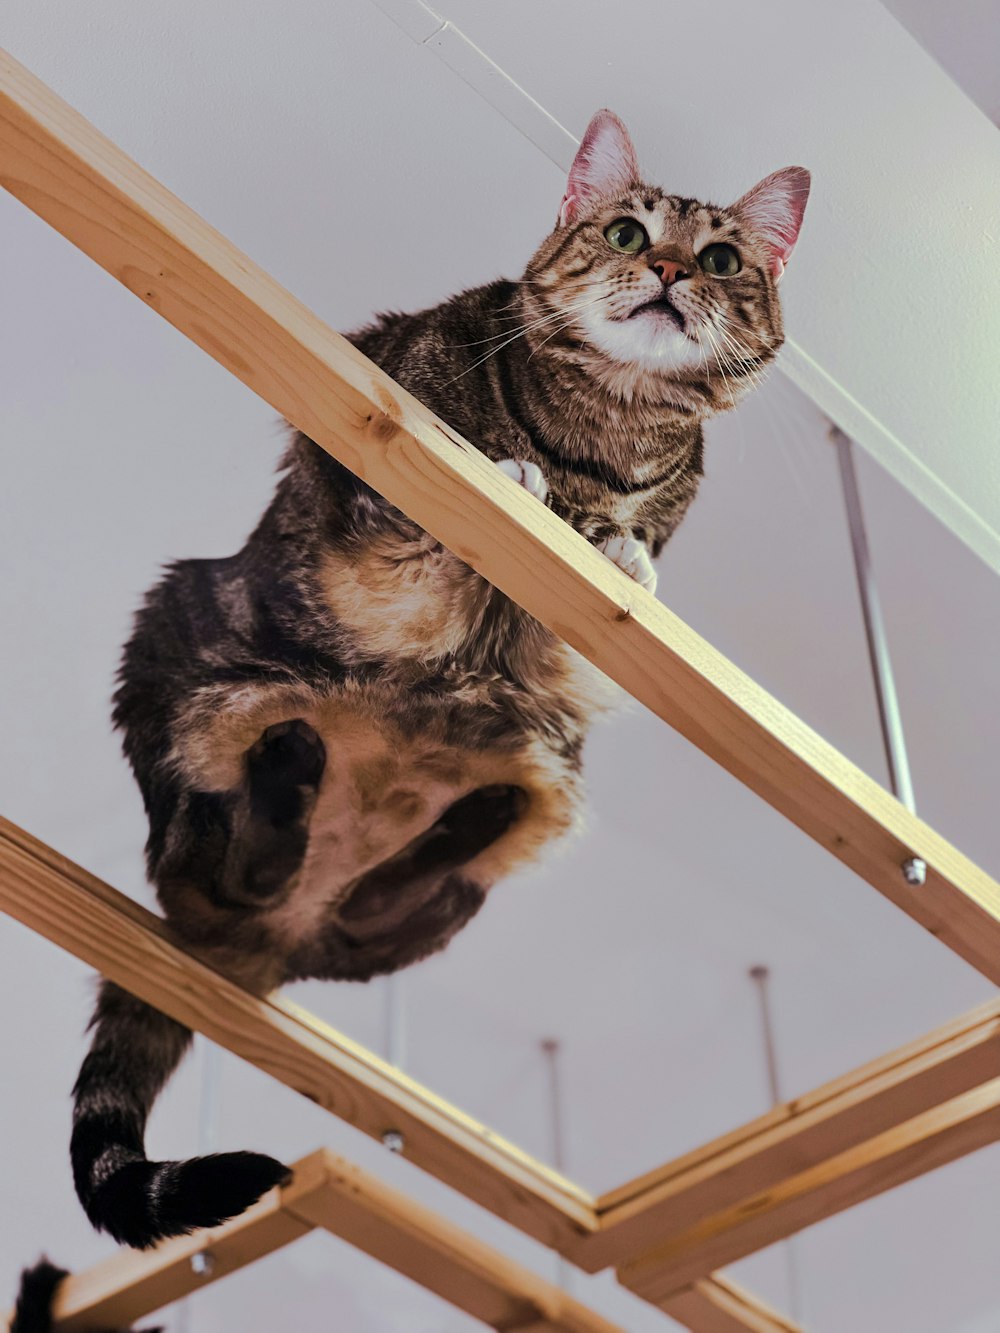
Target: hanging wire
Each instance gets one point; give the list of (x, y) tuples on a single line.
[(208, 1142), (394, 1029), (761, 976), (552, 1050)]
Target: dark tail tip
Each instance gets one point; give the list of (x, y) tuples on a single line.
[(33, 1311), (144, 1202)]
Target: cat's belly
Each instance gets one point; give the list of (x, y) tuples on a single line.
[(388, 778), (381, 791)]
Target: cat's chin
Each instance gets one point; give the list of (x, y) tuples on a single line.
[(647, 341)]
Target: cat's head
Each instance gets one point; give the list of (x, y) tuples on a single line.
[(657, 286)]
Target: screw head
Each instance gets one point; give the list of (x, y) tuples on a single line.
[(915, 871), (393, 1140), (203, 1263)]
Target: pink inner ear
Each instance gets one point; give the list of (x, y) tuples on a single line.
[(775, 208), (605, 165)]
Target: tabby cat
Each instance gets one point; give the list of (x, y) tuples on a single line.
[(342, 734)]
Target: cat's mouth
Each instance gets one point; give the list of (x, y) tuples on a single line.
[(663, 306)]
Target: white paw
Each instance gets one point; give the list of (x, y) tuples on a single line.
[(632, 558), (528, 475)]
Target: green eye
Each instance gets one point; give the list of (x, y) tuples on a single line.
[(627, 236), (721, 261)]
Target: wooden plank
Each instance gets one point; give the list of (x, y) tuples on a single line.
[(458, 1267), (952, 1059), (108, 931), (84, 186), (332, 1194), (929, 1140), (72, 908), (720, 1306), (133, 1283)]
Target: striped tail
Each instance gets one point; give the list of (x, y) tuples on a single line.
[(134, 1051)]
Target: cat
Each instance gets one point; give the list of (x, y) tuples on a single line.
[(343, 735), (33, 1311)]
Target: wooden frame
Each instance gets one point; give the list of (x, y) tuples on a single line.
[(846, 1142), (335, 1196), (331, 1194), (89, 919)]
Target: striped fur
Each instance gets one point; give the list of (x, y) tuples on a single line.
[(342, 735)]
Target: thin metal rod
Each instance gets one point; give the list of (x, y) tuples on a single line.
[(878, 644), (551, 1050), (395, 1021), (208, 1141), (761, 976)]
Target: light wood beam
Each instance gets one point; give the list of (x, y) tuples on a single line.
[(760, 1156), (458, 1267), (78, 912), (133, 1283), (84, 186), (720, 1306), (333, 1195), (897, 1155), (110, 932)]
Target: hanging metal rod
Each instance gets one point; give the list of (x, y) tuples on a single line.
[(890, 720)]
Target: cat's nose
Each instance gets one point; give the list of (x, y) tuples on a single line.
[(668, 271)]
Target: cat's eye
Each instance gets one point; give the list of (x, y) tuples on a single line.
[(626, 235), (721, 261)]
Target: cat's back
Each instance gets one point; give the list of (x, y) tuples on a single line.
[(430, 352)]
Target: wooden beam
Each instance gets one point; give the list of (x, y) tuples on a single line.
[(133, 1283), (84, 186), (930, 1140), (719, 1177), (440, 1256), (333, 1195), (75, 910), (110, 932), (720, 1306)]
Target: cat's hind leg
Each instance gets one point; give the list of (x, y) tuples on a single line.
[(270, 823)]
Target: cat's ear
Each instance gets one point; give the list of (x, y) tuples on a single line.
[(774, 209), (605, 164)]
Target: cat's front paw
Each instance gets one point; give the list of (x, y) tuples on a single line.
[(528, 475), (631, 556)]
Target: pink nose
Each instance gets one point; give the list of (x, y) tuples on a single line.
[(668, 270)]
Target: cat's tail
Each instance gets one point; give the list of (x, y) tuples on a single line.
[(33, 1311), (134, 1051)]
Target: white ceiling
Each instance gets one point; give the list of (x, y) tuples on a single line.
[(364, 174)]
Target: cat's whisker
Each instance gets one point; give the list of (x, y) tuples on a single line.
[(520, 334), (556, 314)]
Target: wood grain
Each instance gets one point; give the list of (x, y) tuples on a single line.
[(334, 1195), (59, 900), (458, 1267), (62, 168), (928, 1141), (721, 1306), (95, 923), (133, 1283), (759, 1156)]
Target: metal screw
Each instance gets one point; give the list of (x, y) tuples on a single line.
[(203, 1263), (393, 1140), (915, 871)]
